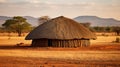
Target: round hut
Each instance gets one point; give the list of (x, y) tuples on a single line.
[(60, 32)]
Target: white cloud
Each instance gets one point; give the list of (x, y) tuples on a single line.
[(33, 1), (50, 8), (3, 1)]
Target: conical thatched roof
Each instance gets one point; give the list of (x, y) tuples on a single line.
[(61, 28)]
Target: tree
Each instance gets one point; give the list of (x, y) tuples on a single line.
[(108, 29), (97, 29), (17, 24), (116, 30), (43, 19), (87, 24)]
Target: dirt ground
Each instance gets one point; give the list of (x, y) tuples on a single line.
[(94, 56), (48, 62), (103, 52)]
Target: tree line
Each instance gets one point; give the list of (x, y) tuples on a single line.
[(107, 29), (20, 25)]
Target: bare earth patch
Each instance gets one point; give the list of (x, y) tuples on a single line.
[(101, 53), (51, 62), (94, 56)]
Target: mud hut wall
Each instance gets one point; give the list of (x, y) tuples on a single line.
[(40, 42), (70, 43), (61, 43)]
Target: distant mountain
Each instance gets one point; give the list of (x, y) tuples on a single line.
[(32, 20), (2, 19), (97, 21), (94, 20)]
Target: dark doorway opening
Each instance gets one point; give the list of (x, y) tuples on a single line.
[(49, 42)]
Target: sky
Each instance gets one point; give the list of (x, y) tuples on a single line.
[(54, 8)]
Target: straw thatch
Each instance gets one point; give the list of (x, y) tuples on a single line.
[(60, 28)]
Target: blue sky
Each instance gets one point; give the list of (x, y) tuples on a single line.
[(54, 8)]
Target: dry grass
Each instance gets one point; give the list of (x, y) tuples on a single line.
[(13, 41), (104, 40), (5, 40), (101, 53), (68, 55), (20, 58)]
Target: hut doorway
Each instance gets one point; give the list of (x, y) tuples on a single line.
[(49, 43)]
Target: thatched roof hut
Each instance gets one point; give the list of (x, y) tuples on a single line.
[(60, 32)]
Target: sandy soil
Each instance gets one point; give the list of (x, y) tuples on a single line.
[(102, 53), (94, 56), (51, 62)]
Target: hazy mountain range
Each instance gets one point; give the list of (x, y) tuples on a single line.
[(94, 20), (97, 21)]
